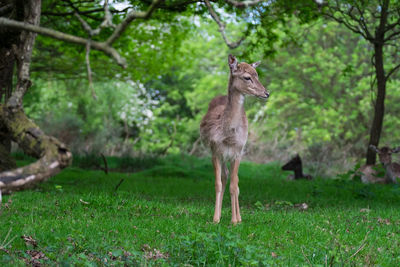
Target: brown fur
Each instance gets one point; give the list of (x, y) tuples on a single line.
[(224, 129), (385, 157), (369, 175)]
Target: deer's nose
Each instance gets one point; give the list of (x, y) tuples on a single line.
[(266, 94)]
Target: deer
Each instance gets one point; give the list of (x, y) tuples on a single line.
[(295, 165), (368, 175), (392, 169), (224, 129)]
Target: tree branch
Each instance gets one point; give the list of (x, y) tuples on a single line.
[(243, 4), (222, 27), (62, 14), (86, 26), (392, 71), (49, 13), (347, 24), (361, 21), (89, 70), (129, 18), (53, 155), (101, 46), (392, 36), (107, 22)]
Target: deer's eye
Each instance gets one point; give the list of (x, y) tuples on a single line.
[(247, 78)]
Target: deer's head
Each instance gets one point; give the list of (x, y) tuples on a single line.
[(385, 153), (293, 164), (244, 78)]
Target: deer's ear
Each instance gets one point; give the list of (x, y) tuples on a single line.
[(373, 148), (232, 61), (255, 64), (396, 150)]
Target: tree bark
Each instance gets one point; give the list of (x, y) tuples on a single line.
[(8, 40), (7, 60), (6, 161), (379, 108), (52, 154)]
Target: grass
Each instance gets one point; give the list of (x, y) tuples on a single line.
[(162, 215)]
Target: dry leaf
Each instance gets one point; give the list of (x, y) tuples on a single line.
[(29, 240)]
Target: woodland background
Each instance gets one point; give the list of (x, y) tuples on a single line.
[(140, 188), (319, 73)]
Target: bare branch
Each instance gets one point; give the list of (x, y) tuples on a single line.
[(105, 169), (222, 27), (91, 32), (361, 20), (243, 4), (394, 35), (89, 70), (129, 18), (85, 25), (347, 24), (76, 9), (85, 12), (107, 22), (392, 71), (101, 46), (107, 17)]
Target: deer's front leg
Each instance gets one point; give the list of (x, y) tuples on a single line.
[(234, 190), (224, 176), (218, 189)]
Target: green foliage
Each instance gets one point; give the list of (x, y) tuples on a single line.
[(318, 72), (162, 216)]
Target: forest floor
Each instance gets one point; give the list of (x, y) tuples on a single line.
[(159, 212)]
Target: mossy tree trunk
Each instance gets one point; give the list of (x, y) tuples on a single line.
[(14, 124), (8, 40)]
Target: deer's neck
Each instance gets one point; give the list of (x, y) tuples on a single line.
[(298, 173), (234, 111)]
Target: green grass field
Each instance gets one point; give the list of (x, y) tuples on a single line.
[(161, 214)]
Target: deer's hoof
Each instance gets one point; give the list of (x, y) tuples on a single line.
[(236, 222)]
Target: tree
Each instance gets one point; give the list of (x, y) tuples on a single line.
[(19, 24), (378, 22)]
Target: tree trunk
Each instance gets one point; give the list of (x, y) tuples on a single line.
[(6, 161), (52, 154), (8, 40), (379, 108)]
